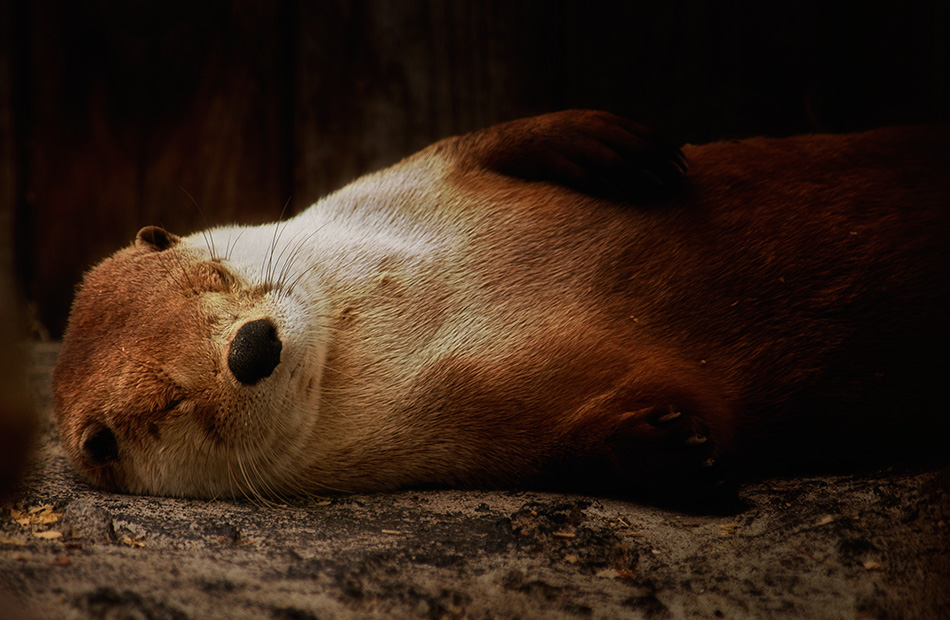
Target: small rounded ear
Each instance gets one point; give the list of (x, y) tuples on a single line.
[(155, 239)]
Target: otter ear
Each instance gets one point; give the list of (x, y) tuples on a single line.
[(155, 239)]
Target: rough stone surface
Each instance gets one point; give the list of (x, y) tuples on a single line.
[(869, 545)]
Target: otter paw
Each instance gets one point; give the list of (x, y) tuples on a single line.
[(670, 454)]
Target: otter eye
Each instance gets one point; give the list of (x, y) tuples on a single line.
[(99, 445), (219, 278)]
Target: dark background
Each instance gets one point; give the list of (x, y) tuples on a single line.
[(116, 114)]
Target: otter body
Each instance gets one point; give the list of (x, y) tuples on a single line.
[(546, 296)]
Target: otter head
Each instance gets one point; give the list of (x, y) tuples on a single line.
[(176, 377)]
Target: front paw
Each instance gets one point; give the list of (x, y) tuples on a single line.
[(670, 454)]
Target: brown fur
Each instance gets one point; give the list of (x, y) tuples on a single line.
[(787, 297)]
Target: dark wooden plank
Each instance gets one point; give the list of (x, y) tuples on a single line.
[(378, 80), (131, 103), (7, 148), (18, 419), (247, 104)]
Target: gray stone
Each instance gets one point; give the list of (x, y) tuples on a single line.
[(868, 545)]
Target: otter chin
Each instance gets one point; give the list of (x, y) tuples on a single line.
[(561, 298)]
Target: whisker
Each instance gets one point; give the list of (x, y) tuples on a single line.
[(266, 274), (233, 247), (287, 268), (293, 285), (171, 274), (296, 247), (209, 239), (184, 272), (249, 491)]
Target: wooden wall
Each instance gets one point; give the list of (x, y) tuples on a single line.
[(116, 114)]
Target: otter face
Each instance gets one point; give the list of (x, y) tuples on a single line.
[(181, 374)]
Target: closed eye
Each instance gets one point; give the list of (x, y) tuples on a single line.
[(169, 408), (153, 418), (215, 277)]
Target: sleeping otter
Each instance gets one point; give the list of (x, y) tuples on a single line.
[(548, 296)]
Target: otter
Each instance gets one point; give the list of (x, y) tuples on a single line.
[(563, 297)]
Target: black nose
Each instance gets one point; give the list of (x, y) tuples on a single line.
[(255, 351)]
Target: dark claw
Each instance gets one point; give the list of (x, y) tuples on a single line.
[(666, 418)]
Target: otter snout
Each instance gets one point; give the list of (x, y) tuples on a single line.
[(255, 351)]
